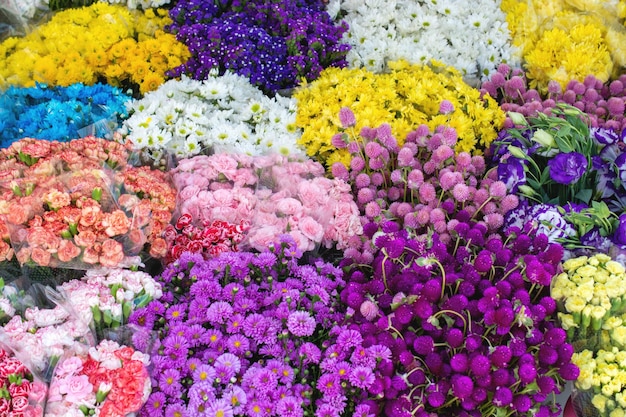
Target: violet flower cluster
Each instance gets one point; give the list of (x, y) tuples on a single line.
[(603, 103), (274, 44), (257, 334), (463, 307)]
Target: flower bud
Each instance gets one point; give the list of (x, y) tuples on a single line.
[(544, 139), (517, 152), (517, 118)]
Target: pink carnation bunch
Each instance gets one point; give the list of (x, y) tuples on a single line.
[(274, 194)]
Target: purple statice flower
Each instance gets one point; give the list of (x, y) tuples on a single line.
[(567, 168)]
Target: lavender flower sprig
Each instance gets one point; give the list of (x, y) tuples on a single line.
[(275, 44)]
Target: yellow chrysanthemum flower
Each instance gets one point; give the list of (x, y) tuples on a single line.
[(93, 43), (405, 97)]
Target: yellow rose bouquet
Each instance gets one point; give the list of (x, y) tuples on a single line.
[(100, 43), (405, 97)]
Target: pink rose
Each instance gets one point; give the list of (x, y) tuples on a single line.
[(75, 388)]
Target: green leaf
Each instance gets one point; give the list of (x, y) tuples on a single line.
[(584, 195)]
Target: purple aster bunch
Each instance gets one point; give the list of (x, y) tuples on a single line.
[(276, 44), (464, 307), (602, 103), (257, 334)]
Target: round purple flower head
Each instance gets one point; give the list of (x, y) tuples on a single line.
[(567, 168)]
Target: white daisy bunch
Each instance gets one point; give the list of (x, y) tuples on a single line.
[(224, 113), (472, 36), (139, 4)]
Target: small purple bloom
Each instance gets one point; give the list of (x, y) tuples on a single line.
[(300, 323), (567, 168)]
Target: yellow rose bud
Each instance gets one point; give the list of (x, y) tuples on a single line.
[(594, 260), (603, 258)]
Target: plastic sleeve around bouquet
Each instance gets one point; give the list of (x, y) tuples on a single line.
[(23, 391), (16, 16), (112, 378), (295, 197)]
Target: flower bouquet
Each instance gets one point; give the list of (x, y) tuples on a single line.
[(98, 43), (591, 297), (419, 31), (109, 380), (275, 194), (258, 334), (60, 113), (463, 306), (21, 392), (276, 48), (209, 239), (222, 113), (79, 204)]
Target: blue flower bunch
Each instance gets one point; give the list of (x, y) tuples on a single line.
[(60, 113), (275, 44)]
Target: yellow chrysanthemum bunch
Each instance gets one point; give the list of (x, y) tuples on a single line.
[(102, 42), (405, 97), (563, 40)]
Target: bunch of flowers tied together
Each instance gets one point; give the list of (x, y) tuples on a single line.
[(210, 239), (463, 306), (110, 379), (592, 302), (80, 204), (257, 334), (275, 44), (20, 392), (275, 194)]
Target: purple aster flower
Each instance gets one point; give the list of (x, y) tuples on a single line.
[(310, 353), (219, 408), (236, 396), (228, 360), (265, 380), (176, 346), (362, 377), (329, 384), (289, 406), (200, 393), (327, 410), (363, 410), (233, 324), (238, 344), (219, 312), (567, 168), (176, 410), (259, 408), (156, 402), (169, 382), (212, 337), (176, 312), (203, 373), (142, 317), (300, 323)]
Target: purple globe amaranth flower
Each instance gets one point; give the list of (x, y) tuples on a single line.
[(567, 168), (462, 386)]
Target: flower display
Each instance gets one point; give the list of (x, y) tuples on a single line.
[(274, 194), (248, 333), (63, 209), (419, 31), (219, 114), (405, 97), (60, 113), (20, 392), (110, 379), (100, 42), (131, 4), (463, 306), (276, 45), (552, 36)]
